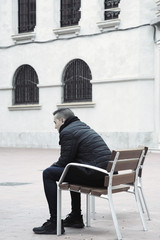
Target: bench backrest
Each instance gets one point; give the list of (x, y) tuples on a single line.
[(127, 163)]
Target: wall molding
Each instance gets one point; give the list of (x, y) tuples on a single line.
[(5, 88), (96, 81), (49, 85), (128, 79)]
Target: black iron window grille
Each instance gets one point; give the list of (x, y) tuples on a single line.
[(111, 15), (70, 12), (25, 86), (26, 15), (77, 86), (111, 3), (110, 9)]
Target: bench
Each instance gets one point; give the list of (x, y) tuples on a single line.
[(128, 163)]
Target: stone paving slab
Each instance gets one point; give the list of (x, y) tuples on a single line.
[(23, 204)]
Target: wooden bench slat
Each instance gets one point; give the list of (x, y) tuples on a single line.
[(120, 179), (75, 187), (85, 189), (80, 188), (127, 154), (64, 186), (123, 165), (93, 190), (103, 191)]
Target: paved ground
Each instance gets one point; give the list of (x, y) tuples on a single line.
[(23, 205)]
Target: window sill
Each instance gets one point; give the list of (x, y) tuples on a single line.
[(156, 21), (113, 23), (67, 30), (24, 37), (157, 2), (25, 107), (77, 105)]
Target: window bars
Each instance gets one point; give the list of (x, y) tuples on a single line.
[(70, 12), (26, 90), (26, 15), (77, 86), (111, 9)]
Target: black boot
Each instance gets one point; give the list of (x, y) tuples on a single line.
[(49, 227), (74, 221)]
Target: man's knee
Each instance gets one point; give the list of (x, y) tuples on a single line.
[(52, 173), (45, 173)]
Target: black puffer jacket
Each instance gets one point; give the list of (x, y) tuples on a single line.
[(81, 144)]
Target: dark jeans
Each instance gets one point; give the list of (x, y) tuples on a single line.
[(52, 174)]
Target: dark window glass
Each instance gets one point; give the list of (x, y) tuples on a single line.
[(25, 86), (26, 15), (70, 12), (109, 4), (77, 86), (111, 15)]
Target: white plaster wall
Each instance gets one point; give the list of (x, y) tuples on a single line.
[(5, 22), (122, 66), (44, 19), (124, 106)]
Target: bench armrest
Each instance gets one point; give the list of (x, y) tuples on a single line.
[(66, 169)]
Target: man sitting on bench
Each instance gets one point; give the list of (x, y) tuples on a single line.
[(80, 144)]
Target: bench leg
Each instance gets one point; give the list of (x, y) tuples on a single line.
[(59, 201), (143, 198), (140, 208), (93, 207), (88, 210), (114, 217)]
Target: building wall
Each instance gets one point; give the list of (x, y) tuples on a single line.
[(122, 63)]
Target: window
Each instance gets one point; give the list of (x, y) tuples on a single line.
[(77, 86), (25, 86), (26, 15), (111, 9), (70, 12)]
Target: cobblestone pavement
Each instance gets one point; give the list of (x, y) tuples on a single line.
[(23, 204)]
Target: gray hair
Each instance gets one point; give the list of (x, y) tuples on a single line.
[(63, 113)]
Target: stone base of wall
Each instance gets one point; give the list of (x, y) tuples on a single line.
[(119, 140), (29, 139), (115, 140)]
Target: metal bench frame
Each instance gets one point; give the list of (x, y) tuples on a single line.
[(121, 160), (131, 190)]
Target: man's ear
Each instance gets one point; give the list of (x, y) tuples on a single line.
[(63, 120)]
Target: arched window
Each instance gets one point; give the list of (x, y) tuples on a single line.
[(70, 12), (26, 15), (77, 86), (25, 86)]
